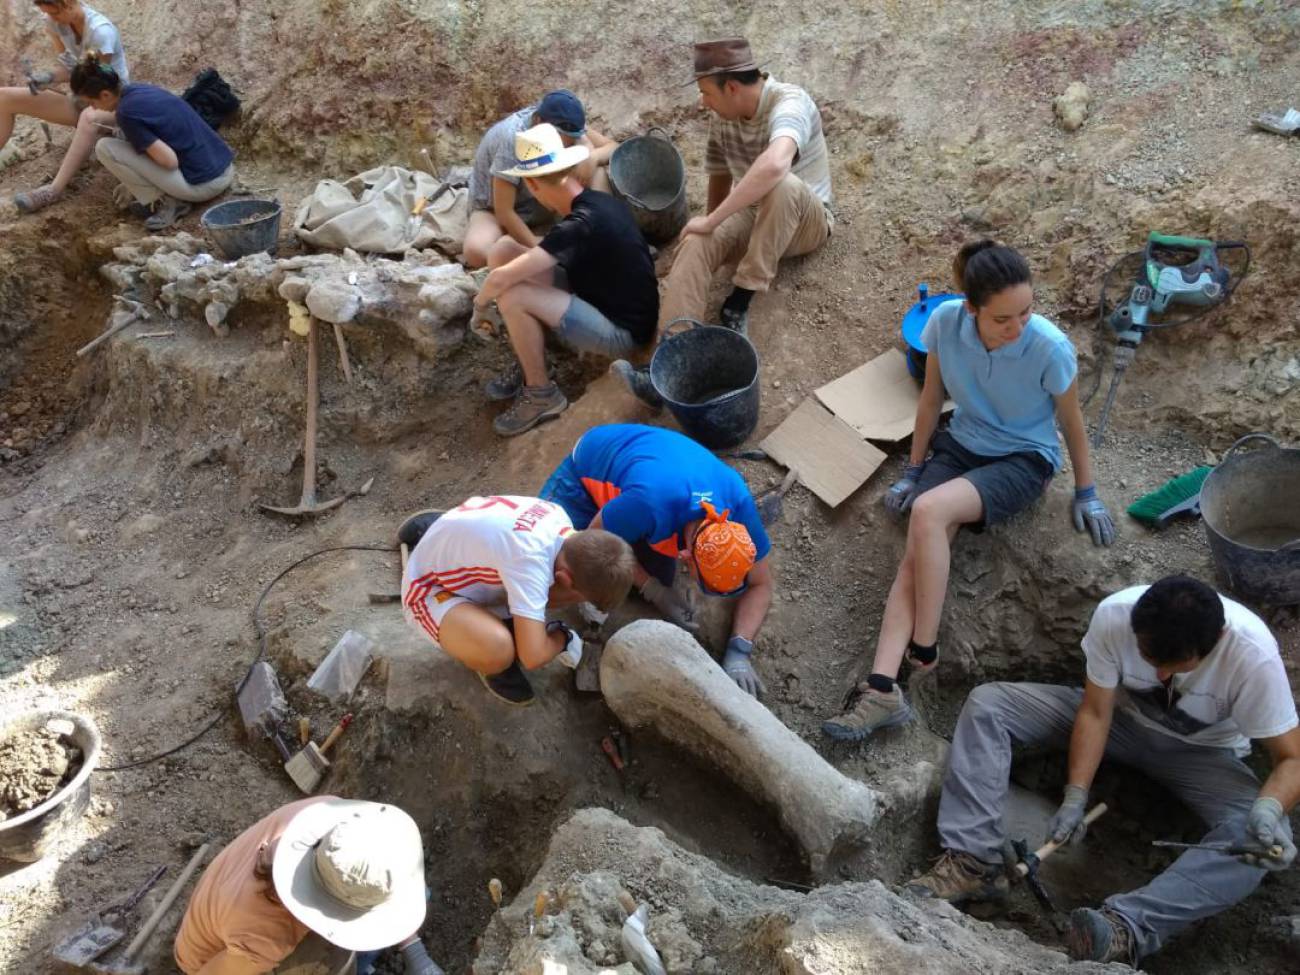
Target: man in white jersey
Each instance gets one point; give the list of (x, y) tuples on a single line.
[(481, 576), (1179, 679)]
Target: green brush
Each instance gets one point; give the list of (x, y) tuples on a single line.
[(1181, 495)]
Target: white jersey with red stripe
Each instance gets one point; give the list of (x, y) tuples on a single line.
[(498, 552)]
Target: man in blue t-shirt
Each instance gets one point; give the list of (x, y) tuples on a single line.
[(673, 500)]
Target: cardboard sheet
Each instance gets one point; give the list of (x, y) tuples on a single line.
[(833, 460), (878, 399)]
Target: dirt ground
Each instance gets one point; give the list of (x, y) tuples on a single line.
[(132, 550)]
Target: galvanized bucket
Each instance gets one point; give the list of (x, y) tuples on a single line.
[(1250, 504), (647, 173)]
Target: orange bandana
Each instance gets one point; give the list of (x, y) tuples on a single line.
[(723, 551)]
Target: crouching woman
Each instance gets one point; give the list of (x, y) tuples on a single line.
[(169, 157)]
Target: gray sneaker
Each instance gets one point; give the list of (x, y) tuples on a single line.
[(533, 405), (868, 710), (637, 382), (506, 385), (1100, 936)]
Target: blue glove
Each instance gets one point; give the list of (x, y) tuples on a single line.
[(738, 666), (898, 499), (1067, 826), (1089, 510), (1264, 827)]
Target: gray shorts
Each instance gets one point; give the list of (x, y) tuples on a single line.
[(1006, 485), (585, 328)]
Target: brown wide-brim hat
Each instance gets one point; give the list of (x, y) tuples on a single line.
[(722, 56)]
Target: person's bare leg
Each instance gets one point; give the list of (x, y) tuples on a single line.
[(503, 251), (477, 639), (91, 126), (482, 232), (528, 309), (48, 106)]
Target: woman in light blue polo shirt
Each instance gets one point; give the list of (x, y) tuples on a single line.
[(1013, 377)]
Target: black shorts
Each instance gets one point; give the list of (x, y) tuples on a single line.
[(1007, 485)]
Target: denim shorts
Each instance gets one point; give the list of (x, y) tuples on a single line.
[(586, 329), (1007, 485)]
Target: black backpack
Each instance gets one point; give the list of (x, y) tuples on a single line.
[(211, 96)]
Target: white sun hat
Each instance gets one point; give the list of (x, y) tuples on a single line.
[(540, 150), (353, 872)]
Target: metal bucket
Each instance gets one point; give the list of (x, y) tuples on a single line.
[(28, 837), (1252, 517), (647, 173), (708, 376), (242, 227)]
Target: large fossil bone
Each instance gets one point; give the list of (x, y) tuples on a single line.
[(655, 675)]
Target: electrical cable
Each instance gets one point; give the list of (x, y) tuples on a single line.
[(259, 627)]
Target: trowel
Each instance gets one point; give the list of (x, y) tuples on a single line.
[(95, 937)]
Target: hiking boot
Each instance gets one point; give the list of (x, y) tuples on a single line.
[(510, 686), (533, 405), (413, 528), (868, 710), (30, 201), (1100, 936), (505, 385), (737, 321), (637, 382), (959, 878), (166, 213)]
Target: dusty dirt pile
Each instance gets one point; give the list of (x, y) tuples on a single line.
[(33, 766)]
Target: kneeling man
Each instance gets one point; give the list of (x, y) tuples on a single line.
[(1178, 680), (481, 576)]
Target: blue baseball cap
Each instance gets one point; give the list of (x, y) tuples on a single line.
[(562, 109)]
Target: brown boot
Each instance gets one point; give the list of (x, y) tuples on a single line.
[(533, 405), (1100, 936), (961, 878)]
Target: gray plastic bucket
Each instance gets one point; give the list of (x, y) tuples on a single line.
[(242, 227), (708, 376), (647, 173), (29, 836), (1248, 504)]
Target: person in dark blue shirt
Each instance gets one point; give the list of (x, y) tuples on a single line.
[(673, 501), (168, 157)]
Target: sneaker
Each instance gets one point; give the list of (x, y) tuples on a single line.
[(510, 686), (737, 321), (533, 405), (1100, 936), (506, 385), (960, 878), (30, 201), (166, 213), (413, 528), (638, 382), (868, 710)]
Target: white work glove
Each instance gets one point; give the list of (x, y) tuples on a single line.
[(1265, 827), (898, 499), (571, 655), (1089, 511), (671, 606), (1068, 825), (740, 668)]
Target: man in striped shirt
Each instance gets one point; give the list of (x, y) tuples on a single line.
[(769, 184), (481, 576)]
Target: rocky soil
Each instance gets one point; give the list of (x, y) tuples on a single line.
[(33, 766), (132, 548)]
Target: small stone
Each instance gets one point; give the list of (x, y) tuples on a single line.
[(1071, 108), (94, 853)]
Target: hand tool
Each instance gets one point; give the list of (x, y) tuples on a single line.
[(304, 730), (494, 891), (1025, 864), (98, 935), (134, 313), (539, 908), (309, 766), (1173, 271), (381, 598), (308, 504), (1273, 852), (127, 964), (1178, 496), (344, 362), (769, 504)]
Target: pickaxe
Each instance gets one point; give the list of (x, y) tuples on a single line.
[(1022, 863)]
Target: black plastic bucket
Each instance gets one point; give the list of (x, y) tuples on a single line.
[(242, 227), (708, 376), (647, 173), (29, 836), (1253, 522)]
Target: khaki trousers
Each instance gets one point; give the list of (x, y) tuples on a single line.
[(789, 221), (148, 181)]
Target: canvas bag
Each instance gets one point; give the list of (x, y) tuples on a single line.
[(371, 213)]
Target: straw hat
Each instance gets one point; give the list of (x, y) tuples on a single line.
[(540, 150), (353, 872)]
